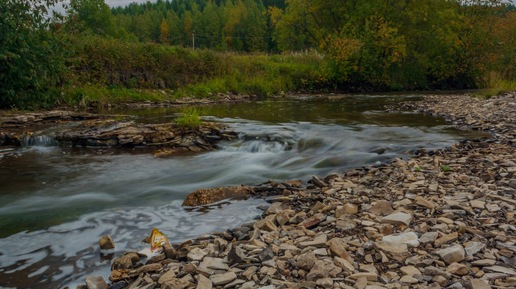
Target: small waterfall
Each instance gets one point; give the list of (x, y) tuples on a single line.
[(259, 146), (38, 141)]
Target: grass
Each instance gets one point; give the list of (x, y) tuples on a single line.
[(445, 168), (190, 118), (246, 74), (88, 94), (496, 86)]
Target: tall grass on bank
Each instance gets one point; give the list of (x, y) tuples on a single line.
[(496, 85), (112, 71)]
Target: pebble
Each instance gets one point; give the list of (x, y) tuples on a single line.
[(452, 254), (457, 269), (398, 218), (409, 238), (222, 279)]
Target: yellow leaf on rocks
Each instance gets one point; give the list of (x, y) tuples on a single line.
[(157, 240)]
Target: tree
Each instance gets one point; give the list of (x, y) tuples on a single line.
[(30, 56), (163, 32), (93, 16)]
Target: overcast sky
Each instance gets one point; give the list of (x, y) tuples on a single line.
[(115, 3)]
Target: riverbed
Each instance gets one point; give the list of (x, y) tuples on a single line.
[(56, 202)]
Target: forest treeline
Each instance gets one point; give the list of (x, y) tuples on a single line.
[(249, 46)]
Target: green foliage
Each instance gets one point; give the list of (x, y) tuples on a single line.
[(98, 62), (445, 168), (88, 94), (190, 117), (103, 55), (496, 85), (31, 62), (397, 44)]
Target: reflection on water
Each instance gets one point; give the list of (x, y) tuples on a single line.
[(56, 202)]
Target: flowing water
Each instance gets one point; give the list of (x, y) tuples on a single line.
[(56, 202)]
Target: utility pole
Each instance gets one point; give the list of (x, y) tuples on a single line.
[(193, 39)]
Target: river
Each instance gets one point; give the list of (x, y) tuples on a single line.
[(55, 202)]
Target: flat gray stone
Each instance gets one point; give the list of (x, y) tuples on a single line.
[(222, 279), (203, 282), (479, 284), (428, 237), (398, 218), (409, 238), (474, 247), (452, 254)]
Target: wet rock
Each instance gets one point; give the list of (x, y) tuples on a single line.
[(126, 261), (96, 282), (106, 243), (209, 196)]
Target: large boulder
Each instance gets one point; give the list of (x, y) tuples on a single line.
[(210, 196)]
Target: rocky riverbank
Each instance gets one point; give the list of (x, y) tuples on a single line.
[(443, 218), (99, 131)]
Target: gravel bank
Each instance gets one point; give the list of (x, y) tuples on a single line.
[(444, 218)]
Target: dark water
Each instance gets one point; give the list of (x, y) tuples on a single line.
[(56, 202)]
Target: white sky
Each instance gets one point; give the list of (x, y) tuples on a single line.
[(114, 3)]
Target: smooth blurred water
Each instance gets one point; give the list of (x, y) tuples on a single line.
[(56, 202)]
